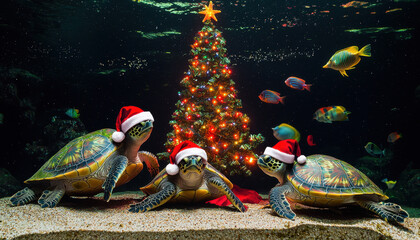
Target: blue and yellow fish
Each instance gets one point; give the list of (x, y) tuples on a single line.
[(347, 58), (285, 131), (269, 96), (331, 114), (73, 113)]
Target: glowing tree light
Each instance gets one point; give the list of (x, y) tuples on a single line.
[(208, 112)]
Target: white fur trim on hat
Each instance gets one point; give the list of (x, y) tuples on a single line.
[(189, 152), (118, 136), (301, 159), (135, 119), (284, 157), (172, 169)]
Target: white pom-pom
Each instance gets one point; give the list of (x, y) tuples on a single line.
[(172, 169), (118, 136), (301, 159)]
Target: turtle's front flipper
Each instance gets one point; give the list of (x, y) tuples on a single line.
[(390, 212), (51, 198), (279, 203), (155, 200), (117, 168), (218, 183), (151, 162), (22, 197)]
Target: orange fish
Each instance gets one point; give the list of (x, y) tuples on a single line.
[(394, 136), (310, 140)]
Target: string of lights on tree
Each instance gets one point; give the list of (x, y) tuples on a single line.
[(208, 112)]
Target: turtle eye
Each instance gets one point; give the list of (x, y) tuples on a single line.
[(198, 158)]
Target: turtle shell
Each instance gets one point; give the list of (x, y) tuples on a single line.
[(78, 158), (326, 176), (153, 185)]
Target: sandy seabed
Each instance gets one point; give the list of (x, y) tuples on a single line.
[(93, 218)]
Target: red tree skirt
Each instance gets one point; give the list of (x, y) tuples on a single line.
[(245, 195)]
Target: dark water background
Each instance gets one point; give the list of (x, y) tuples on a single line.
[(64, 42)]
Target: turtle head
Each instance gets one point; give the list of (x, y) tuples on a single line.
[(272, 167), (191, 168), (140, 132)]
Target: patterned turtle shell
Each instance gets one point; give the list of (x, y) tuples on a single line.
[(78, 158), (152, 186), (324, 176)]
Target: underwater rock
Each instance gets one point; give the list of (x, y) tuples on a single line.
[(55, 135), (407, 189), (375, 168), (8, 184), (15, 84)]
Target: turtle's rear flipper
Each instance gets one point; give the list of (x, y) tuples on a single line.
[(151, 162), (117, 169), (156, 199), (51, 198), (279, 203), (390, 212), (22, 197), (223, 187)]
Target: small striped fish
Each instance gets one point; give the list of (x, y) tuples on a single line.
[(347, 58), (297, 83)]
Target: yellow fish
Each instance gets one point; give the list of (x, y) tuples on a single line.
[(347, 58), (389, 183)]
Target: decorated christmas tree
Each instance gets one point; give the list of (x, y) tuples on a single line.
[(208, 112)]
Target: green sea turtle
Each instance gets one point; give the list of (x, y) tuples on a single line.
[(93, 163), (188, 179), (324, 181)]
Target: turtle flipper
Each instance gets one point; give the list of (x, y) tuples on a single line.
[(279, 203), (223, 187), (155, 200), (22, 197), (390, 212), (117, 169), (51, 198), (151, 162)]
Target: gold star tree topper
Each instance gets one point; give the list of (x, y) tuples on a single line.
[(209, 12)]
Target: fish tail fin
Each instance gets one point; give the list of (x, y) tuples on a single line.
[(282, 99), (308, 87), (365, 51)]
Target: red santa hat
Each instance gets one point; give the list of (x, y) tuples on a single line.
[(128, 117), (182, 150), (286, 151)]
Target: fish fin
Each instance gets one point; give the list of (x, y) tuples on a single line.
[(352, 49), (365, 51), (308, 87), (282, 99), (343, 73)]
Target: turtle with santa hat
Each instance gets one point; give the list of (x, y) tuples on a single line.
[(321, 181), (188, 178), (93, 163)]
